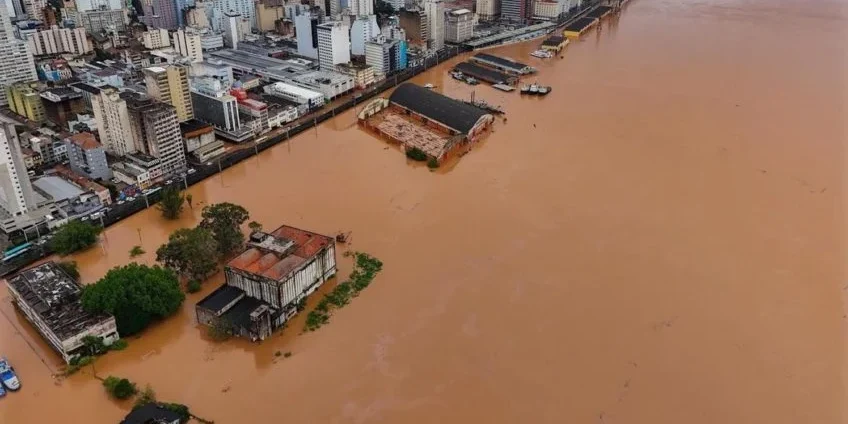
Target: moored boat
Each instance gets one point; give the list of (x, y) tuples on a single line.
[(8, 376)]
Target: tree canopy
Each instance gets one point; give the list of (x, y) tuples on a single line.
[(190, 252), (73, 236), (135, 294), (171, 203), (70, 268), (224, 220)]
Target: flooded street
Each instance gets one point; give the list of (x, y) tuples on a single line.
[(660, 240)]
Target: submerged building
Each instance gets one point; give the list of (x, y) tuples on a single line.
[(265, 283), (50, 300)]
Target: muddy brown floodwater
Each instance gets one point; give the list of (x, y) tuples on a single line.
[(660, 240)]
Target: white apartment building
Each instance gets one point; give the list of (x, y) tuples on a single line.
[(231, 30), (169, 84), (333, 45), (113, 122), (16, 62), (188, 44), (435, 12), (459, 25), (59, 40), (361, 7), (156, 38), (220, 8), (364, 29), (378, 56), (157, 132), (308, 99), (17, 195)]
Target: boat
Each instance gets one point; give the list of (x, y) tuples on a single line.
[(503, 87), (542, 54), (457, 75), (428, 85), (472, 81), (536, 89), (8, 376)]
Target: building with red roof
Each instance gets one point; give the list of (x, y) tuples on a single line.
[(265, 283)]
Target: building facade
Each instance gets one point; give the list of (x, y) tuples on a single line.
[(459, 26), (160, 14), (156, 38), (18, 197), (59, 40), (266, 282), (333, 45), (113, 122), (518, 11), (169, 84), (415, 25), (306, 30), (50, 299), (188, 44), (488, 10), (156, 132), (435, 12), (16, 61), (361, 7), (363, 29), (214, 104), (25, 100), (87, 157)]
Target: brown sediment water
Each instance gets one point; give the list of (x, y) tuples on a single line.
[(660, 240)]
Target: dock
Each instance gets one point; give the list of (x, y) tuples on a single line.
[(484, 74), (599, 12), (579, 26), (503, 64)]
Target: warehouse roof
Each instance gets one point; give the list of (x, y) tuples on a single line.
[(445, 110), (580, 24), (276, 255)]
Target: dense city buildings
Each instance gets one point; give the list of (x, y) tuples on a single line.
[(20, 206), (333, 45), (306, 28), (488, 10), (435, 12), (363, 29), (156, 38), (49, 298), (170, 84), (214, 104), (62, 104), (16, 61), (25, 100), (220, 9), (415, 25), (113, 121), (102, 19), (59, 40), (160, 14), (361, 7), (518, 11)]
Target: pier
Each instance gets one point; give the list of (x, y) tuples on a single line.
[(579, 26), (485, 74), (503, 64)]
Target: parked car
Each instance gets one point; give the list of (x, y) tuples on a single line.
[(85, 218), (169, 182), (8, 376), (191, 171), (121, 202)]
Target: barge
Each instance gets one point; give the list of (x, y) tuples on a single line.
[(536, 89)]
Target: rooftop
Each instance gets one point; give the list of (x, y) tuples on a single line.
[(60, 94), (194, 127), (150, 413), (85, 140), (501, 61), (54, 297), (282, 87), (276, 255), (460, 12), (554, 40), (580, 24), (598, 12), (57, 188), (445, 110), (221, 297)]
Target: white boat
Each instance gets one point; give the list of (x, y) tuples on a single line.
[(8, 377), (542, 54), (428, 85), (503, 87)]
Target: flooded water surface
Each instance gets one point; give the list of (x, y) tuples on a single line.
[(660, 240)]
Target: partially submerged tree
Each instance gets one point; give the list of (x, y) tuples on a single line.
[(254, 226), (225, 220), (136, 251), (190, 252), (73, 236), (70, 268), (119, 388), (171, 203), (135, 294), (93, 345)]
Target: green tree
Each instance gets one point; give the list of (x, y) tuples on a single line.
[(73, 236), (254, 226), (136, 251), (93, 345), (119, 388), (188, 199), (171, 203), (145, 396), (190, 252), (225, 220), (70, 268), (135, 294)]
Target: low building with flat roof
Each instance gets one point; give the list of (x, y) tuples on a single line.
[(265, 283), (307, 99), (50, 300)]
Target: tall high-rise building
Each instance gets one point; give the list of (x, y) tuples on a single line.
[(435, 12), (113, 122), (156, 132), (35, 8), (414, 23), (169, 84), (16, 195), (214, 104), (59, 40), (364, 29), (488, 10), (306, 31), (459, 25), (25, 100), (361, 7), (333, 45), (160, 14), (188, 43), (220, 8), (16, 62), (516, 10), (231, 29)]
